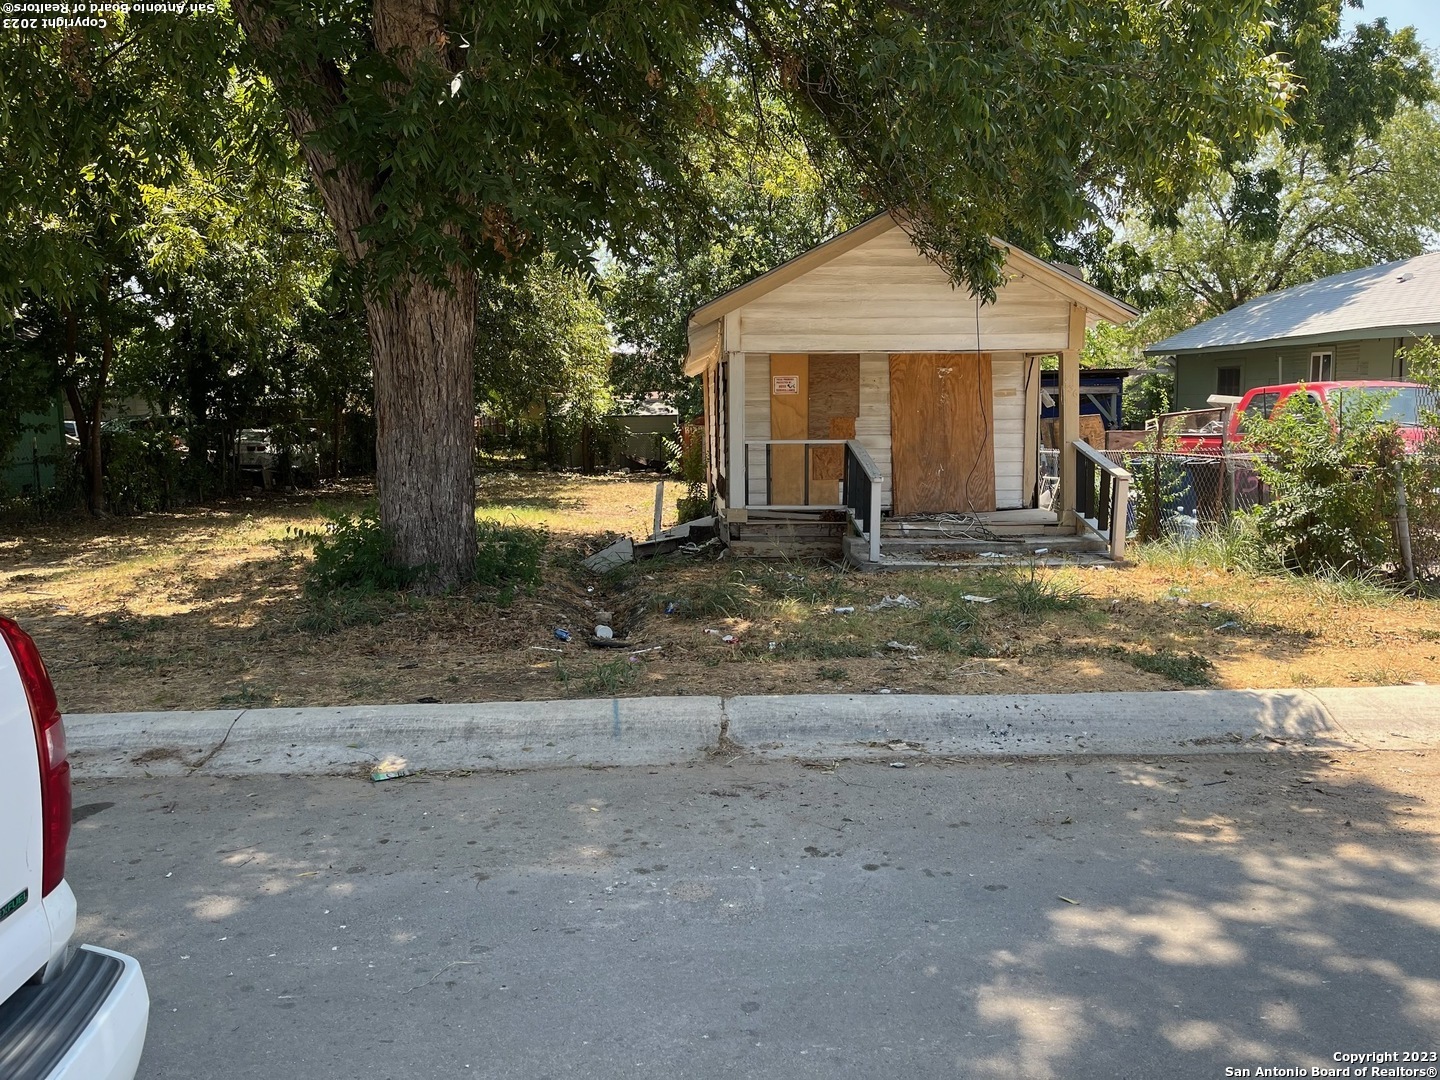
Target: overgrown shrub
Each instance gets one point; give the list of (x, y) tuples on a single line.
[(1422, 469), (1331, 476), (354, 551), (687, 459), (144, 468), (1158, 480)]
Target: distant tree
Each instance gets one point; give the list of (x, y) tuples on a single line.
[(1377, 203), (93, 118), (760, 202), (542, 357)]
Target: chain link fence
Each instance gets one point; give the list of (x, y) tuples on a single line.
[(1173, 493)]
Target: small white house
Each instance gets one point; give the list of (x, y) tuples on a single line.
[(855, 382)]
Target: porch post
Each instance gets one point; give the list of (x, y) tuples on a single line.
[(1070, 415), (739, 496)]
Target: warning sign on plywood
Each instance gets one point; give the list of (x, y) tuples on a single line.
[(785, 384)]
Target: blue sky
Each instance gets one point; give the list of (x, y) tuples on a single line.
[(1424, 15)]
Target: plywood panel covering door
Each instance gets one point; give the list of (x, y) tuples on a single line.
[(789, 419), (942, 425)]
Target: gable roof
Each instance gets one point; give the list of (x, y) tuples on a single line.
[(1395, 299), (1061, 281)]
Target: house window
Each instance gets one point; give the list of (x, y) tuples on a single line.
[(1322, 366), (1227, 381)]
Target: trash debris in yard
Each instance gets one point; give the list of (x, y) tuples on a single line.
[(707, 630), (1067, 900), (893, 601), (562, 634), (671, 607), (774, 645), (604, 632), (898, 765), (1041, 551), (730, 639), (972, 598), (843, 610), (617, 554), (392, 768), (640, 652), (898, 647), (1231, 625)]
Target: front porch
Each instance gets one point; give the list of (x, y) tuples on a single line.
[(857, 530)]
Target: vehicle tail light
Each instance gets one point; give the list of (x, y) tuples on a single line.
[(50, 742)]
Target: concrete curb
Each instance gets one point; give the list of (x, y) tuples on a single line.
[(670, 730)]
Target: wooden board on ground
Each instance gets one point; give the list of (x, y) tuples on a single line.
[(789, 419), (942, 425)]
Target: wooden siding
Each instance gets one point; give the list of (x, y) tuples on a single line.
[(885, 295), (872, 428), (1008, 376), (757, 424)]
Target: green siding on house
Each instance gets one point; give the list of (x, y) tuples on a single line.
[(32, 460), (1196, 376)]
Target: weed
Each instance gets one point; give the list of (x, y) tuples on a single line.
[(127, 627), (833, 674), (248, 696), (1233, 547), (1037, 595), (729, 598), (1379, 676), (329, 614), (611, 676), (1188, 669), (508, 554), (788, 581), (1369, 589), (354, 551), (815, 648)]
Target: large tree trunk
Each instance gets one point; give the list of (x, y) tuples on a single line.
[(422, 348), (421, 333)]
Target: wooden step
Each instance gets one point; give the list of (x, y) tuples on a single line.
[(802, 549)]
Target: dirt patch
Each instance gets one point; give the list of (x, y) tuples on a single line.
[(205, 609)]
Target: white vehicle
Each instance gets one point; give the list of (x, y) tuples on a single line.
[(65, 1013)]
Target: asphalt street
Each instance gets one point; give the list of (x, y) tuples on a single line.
[(734, 918)]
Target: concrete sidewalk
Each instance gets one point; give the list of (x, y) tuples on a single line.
[(673, 730)]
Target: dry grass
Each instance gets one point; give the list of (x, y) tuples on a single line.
[(204, 609)]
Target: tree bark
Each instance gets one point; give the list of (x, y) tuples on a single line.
[(421, 333), (422, 347)]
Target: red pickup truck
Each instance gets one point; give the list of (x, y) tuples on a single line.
[(1209, 431)]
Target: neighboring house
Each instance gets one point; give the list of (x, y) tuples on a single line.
[(645, 421), (1347, 326), (29, 467), (857, 378)]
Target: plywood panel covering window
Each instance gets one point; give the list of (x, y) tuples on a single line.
[(942, 428), (789, 419), (833, 407)]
